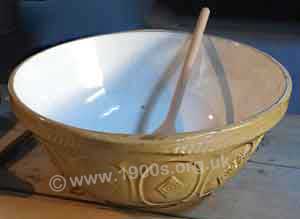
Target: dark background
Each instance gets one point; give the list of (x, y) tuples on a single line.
[(27, 26), (250, 9)]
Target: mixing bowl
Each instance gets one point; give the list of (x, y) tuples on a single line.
[(93, 103)]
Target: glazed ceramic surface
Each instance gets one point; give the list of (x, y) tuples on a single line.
[(93, 101)]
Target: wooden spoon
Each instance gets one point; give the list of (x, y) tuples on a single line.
[(168, 126)]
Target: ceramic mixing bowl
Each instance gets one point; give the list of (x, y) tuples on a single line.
[(93, 103)]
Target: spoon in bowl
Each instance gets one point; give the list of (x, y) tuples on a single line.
[(168, 126)]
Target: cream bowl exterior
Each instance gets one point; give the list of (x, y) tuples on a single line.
[(85, 101)]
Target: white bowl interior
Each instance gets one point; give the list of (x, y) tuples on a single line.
[(123, 83)]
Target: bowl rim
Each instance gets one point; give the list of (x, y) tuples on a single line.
[(140, 138)]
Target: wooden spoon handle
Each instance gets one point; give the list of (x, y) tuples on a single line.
[(195, 45)]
